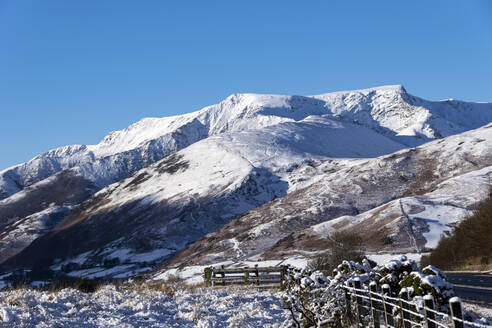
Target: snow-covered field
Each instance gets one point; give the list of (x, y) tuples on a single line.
[(147, 307), (112, 307), (174, 298)]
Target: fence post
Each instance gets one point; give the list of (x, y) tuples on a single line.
[(375, 315), (348, 305), (404, 306), (357, 285), (246, 277), (388, 309), (283, 271), (257, 274), (456, 312), (223, 275), (429, 315), (207, 276)]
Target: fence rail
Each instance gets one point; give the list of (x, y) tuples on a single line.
[(396, 312), (264, 277)]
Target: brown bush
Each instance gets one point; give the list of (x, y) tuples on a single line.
[(342, 246)]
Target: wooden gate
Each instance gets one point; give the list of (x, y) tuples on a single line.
[(266, 277)]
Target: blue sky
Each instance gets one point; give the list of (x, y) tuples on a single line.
[(72, 71)]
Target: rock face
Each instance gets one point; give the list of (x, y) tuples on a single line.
[(263, 169)]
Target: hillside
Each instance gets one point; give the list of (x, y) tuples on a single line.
[(411, 196), (469, 246)]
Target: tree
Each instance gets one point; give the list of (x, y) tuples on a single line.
[(342, 246)]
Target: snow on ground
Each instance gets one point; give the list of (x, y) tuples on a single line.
[(124, 254), (439, 210), (383, 258), (112, 307), (200, 172), (168, 305), (121, 271), (483, 313)]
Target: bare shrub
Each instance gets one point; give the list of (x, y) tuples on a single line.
[(343, 245)]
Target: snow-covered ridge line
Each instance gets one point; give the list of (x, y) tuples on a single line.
[(388, 109), (390, 87)]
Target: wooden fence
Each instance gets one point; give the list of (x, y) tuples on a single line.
[(376, 309), (266, 277)]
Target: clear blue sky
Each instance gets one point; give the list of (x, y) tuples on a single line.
[(72, 71)]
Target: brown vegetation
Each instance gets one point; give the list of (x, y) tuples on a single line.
[(342, 246), (83, 285), (470, 244)]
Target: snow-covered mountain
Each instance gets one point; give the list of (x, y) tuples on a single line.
[(198, 189), (388, 110), (145, 192)]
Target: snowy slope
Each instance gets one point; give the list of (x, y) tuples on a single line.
[(389, 110), (408, 224), (164, 206), (409, 119), (196, 190), (444, 178), (37, 209)]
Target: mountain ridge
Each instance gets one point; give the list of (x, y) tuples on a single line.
[(239, 154), (211, 120)]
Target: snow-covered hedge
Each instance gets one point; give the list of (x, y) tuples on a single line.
[(318, 300)]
